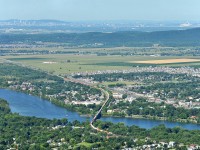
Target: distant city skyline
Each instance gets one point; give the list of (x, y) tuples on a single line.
[(88, 10)]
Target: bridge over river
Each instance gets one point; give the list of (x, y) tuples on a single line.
[(98, 114)]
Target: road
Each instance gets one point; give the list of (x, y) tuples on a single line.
[(99, 112)]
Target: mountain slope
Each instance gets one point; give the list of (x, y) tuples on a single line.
[(190, 37)]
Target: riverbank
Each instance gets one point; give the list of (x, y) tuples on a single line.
[(145, 117), (27, 105), (76, 108), (154, 118)]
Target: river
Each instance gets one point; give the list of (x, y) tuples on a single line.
[(27, 105)]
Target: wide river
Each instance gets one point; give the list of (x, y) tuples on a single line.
[(28, 105)]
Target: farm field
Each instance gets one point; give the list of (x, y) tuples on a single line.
[(168, 61), (72, 63), (66, 64)]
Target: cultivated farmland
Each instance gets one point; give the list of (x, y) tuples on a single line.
[(168, 61)]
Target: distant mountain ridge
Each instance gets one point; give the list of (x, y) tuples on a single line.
[(189, 37), (64, 26)]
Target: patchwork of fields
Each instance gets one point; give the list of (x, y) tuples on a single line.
[(73, 63), (168, 61)]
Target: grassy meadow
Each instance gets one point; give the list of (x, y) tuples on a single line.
[(73, 63)]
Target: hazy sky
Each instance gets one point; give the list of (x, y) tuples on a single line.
[(100, 9)]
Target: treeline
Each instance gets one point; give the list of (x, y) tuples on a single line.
[(28, 51), (188, 37), (20, 73)]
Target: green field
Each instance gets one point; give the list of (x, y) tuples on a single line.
[(71, 63)]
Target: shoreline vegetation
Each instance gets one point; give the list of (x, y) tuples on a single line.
[(41, 133), (145, 117)]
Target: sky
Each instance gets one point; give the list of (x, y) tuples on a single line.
[(85, 10)]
